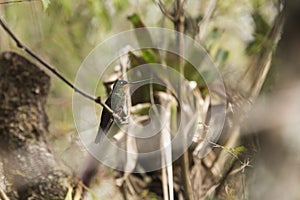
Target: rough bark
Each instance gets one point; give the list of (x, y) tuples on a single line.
[(30, 169)]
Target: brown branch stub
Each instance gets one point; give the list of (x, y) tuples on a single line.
[(105, 106), (98, 100), (179, 9)]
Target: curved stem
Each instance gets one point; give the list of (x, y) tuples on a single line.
[(52, 69)]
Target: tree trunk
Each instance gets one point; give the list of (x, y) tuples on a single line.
[(29, 167)]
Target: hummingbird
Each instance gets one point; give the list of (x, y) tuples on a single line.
[(119, 102)]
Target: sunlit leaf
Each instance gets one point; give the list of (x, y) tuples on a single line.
[(239, 149), (222, 56), (45, 4)]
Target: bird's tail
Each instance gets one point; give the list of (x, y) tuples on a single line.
[(99, 136), (90, 170)]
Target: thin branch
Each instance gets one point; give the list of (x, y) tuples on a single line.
[(163, 9), (48, 66), (184, 161), (179, 26), (16, 1), (179, 9), (244, 165), (207, 16), (223, 179), (53, 70)]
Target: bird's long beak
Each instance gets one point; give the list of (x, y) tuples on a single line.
[(126, 86), (137, 82)]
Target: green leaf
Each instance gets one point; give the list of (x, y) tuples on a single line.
[(261, 30), (212, 37), (255, 46), (222, 56), (136, 21), (261, 25), (239, 149), (150, 55)]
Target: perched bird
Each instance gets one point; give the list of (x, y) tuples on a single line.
[(118, 101)]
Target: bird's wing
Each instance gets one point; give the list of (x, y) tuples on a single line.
[(105, 123)]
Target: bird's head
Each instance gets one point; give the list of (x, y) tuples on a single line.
[(120, 84)]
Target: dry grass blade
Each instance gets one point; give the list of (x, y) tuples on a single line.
[(166, 154), (3, 195), (69, 193)]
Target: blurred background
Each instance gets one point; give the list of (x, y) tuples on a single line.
[(240, 37)]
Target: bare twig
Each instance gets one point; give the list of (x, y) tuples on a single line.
[(163, 9), (207, 16), (242, 168), (179, 26), (16, 1), (179, 9), (53, 70), (223, 179), (187, 185)]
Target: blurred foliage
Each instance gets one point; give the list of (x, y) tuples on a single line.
[(45, 3), (64, 32), (261, 30)]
